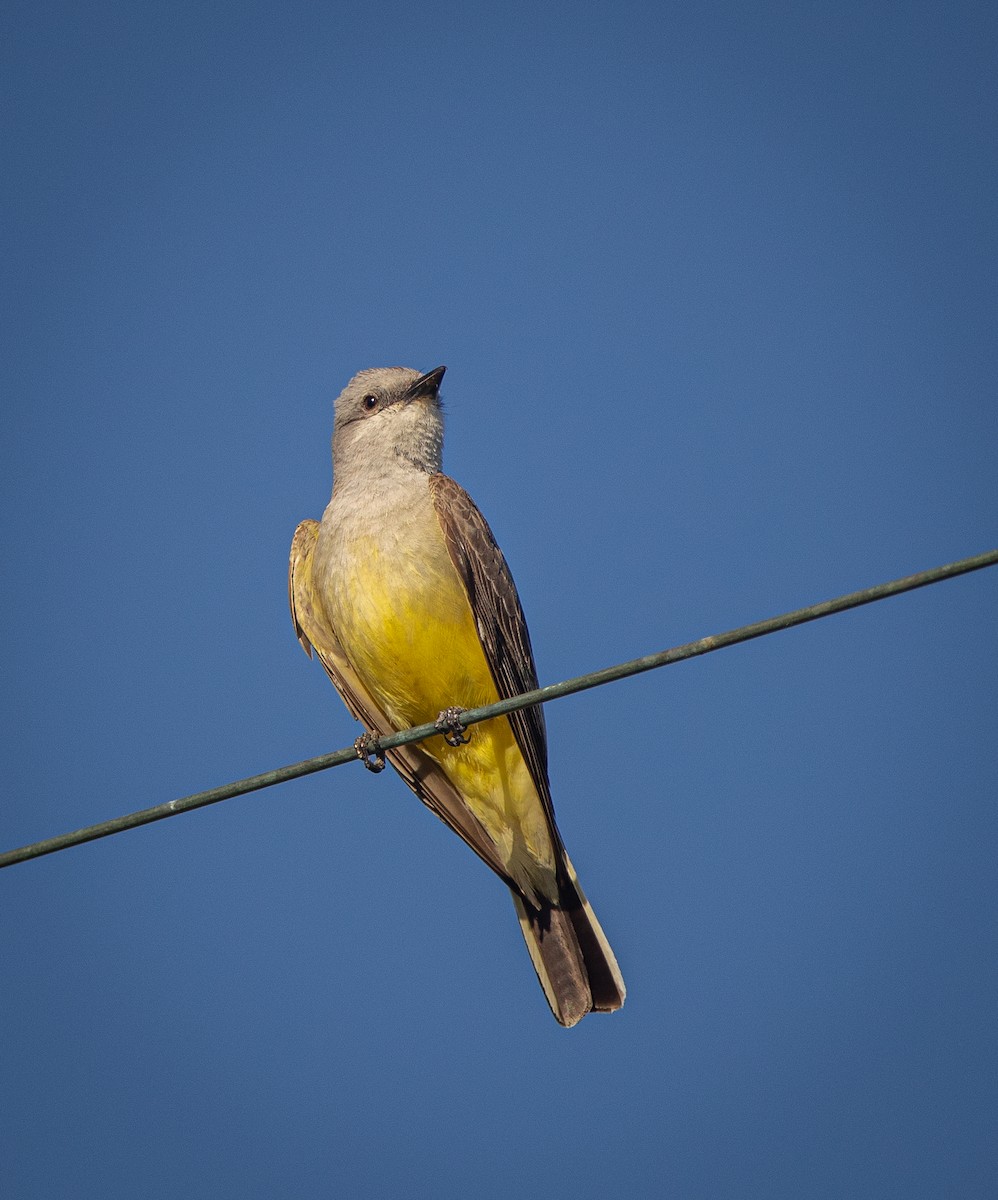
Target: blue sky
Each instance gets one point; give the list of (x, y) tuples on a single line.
[(715, 286)]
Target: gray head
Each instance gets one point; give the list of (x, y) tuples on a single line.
[(387, 418)]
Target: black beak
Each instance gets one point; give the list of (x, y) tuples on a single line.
[(425, 386)]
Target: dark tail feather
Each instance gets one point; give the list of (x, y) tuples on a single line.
[(571, 955)]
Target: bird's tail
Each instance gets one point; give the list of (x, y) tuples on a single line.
[(570, 953)]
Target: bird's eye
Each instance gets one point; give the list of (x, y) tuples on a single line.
[(370, 403)]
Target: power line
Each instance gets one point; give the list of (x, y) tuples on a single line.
[(471, 716)]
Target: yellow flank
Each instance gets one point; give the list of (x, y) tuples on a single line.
[(405, 623)]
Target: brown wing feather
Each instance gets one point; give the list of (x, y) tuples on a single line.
[(502, 627), (419, 771)]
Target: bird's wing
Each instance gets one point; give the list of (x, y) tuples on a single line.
[(422, 773), (502, 628)]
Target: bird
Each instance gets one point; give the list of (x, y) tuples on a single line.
[(406, 599)]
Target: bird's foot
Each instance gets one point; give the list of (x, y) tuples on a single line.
[(449, 724), (369, 753)]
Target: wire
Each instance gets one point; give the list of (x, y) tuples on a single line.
[(471, 716)]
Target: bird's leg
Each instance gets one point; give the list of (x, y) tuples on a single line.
[(373, 759), (449, 724)]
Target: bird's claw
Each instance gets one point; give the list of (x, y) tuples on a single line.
[(450, 725), (369, 753)]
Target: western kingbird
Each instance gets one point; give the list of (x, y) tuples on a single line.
[(410, 606)]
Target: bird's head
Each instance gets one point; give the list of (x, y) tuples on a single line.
[(388, 416)]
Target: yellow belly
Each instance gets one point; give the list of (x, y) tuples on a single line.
[(405, 622)]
